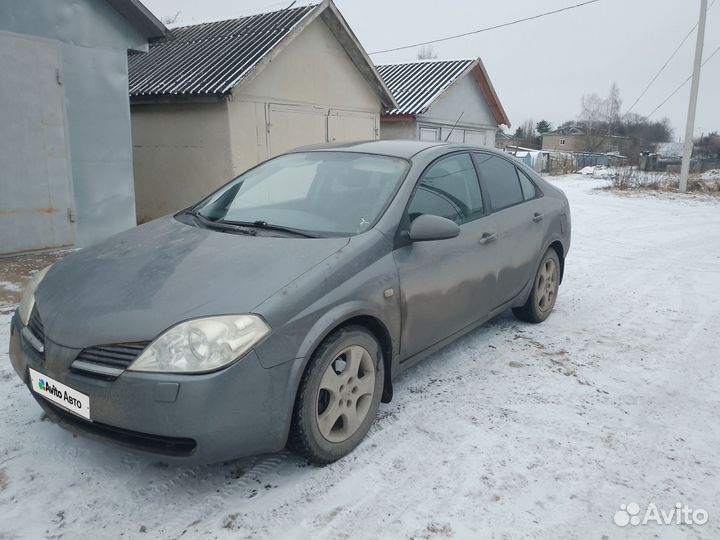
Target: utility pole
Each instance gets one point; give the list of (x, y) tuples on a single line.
[(687, 150)]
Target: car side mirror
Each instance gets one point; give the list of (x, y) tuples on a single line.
[(429, 227)]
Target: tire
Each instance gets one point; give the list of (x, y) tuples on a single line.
[(338, 397), (544, 292)]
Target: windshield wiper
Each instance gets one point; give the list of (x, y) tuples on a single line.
[(270, 227), (222, 225)]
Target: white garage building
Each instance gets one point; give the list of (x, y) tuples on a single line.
[(442, 100), (217, 98)]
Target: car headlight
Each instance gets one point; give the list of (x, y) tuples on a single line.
[(27, 303), (201, 345)]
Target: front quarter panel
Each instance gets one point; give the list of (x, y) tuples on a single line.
[(350, 283)]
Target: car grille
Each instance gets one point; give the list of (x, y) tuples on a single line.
[(108, 361), (35, 325)]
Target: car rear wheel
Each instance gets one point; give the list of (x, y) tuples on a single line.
[(339, 396), (542, 297)]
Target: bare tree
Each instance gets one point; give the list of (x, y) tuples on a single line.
[(599, 118), (526, 135), (167, 20), (613, 104), (426, 53)]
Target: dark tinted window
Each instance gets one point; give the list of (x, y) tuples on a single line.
[(500, 179), (428, 201), (528, 188), (449, 189)]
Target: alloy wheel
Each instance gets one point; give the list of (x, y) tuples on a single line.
[(547, 284), (345, 394)]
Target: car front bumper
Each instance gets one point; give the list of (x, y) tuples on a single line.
[(241, 410)]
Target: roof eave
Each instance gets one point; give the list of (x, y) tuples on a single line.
[(483, 79), (354, 49), (342, 32), (397, 117), (141, 18), (481, 76), (153, 99)]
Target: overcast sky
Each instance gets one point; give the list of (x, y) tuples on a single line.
[(539, 68)]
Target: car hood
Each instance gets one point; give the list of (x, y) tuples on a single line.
[(137, 284)]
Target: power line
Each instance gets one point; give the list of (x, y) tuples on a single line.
[(662, 68), (683, 84), (503, 25)]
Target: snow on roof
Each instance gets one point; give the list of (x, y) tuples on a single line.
[(669, 149)]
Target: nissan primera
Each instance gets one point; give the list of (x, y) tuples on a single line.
[(277, 311)]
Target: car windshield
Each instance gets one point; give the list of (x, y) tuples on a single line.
[(320, 193)]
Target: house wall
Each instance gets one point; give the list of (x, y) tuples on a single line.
[(573, 143), (311, 92), (589, 143), (181, 153), (477, 124), (92, 41), (443, 119), (398, 130)]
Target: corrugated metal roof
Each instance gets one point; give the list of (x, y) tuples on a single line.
[(416, 85), (210, 58)]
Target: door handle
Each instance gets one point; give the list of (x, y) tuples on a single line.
[(538, 217), (487, 238)]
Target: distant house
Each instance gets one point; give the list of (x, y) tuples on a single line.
[(442, 100), (670, 152), (217, 98), (666, 157), (579, 139), (66, 174)]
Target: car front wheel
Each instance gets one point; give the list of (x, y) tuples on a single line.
[(339, 396), (544, 292)]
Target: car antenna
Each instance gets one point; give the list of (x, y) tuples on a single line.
[(454, 126)]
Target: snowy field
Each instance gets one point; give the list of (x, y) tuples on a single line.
[(514, 431)]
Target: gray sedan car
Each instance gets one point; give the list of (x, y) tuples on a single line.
[(278, 311)]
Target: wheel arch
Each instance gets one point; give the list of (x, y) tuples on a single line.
[(354, 313), (560, 250), (381, 333)]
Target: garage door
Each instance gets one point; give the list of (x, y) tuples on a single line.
[(35, 182), (290, 127), (453, 134), (476, 137), (351, 126)]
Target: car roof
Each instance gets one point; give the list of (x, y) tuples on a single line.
[(396, 148)]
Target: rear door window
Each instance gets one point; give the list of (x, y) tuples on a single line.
[(529, 190), (500, 178)]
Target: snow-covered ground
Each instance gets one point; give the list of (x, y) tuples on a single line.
[(513, 431)]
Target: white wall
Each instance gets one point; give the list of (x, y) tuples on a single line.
[(398, 130), (181, 153), (464, 97), (310, 93), (477, 125)]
